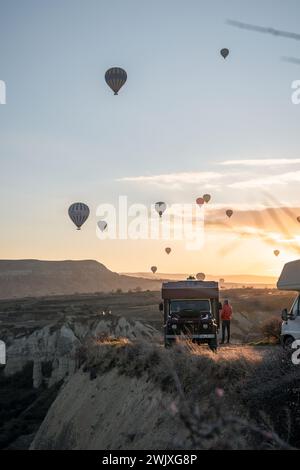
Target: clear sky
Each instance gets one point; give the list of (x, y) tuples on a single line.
[(186, 122)]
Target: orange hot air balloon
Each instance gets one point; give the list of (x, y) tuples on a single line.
[(298, 218), (276, 252), (200, 276), (229, 213), (168, 250), (207, 198), (154, 269), (200, 201)]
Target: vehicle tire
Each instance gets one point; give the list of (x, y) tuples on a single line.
[(287, 342), (213, 344)]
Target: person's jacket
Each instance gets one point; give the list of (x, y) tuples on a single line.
[(226, 312)]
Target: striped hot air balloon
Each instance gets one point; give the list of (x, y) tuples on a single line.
[(79, 213), (200, 276), (115, 78)]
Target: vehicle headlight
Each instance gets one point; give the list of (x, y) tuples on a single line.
[(174, 327), (205, 326)]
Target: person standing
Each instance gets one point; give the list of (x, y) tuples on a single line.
[(226, 316)]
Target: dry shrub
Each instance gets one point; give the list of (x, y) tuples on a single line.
[(272, 394), (271, 329), (241, 397), (201, 368)]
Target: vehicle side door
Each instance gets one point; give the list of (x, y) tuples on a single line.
[(294, 319)]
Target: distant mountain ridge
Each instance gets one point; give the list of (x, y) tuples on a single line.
[(35, 278), (230, 278)]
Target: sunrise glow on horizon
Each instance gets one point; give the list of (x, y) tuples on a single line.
[(187, 122)]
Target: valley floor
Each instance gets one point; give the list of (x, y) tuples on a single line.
[(250, 380)]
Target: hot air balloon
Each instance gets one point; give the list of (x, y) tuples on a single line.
[(154, 269), (221, 281), (229, 213), (168, 250), (298, 218), (200, 276), (200, 201), (160, 208), (207, 198), (276, 252), (79, 213), (224, 52), (115, 78), (102, 225)]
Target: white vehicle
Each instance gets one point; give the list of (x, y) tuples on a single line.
[(2, 354), (290, 280)]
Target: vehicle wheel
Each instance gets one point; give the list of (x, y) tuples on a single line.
[(213, 344), (287, 342)]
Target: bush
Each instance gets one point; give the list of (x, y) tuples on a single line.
[(239, 398), (271, 329)]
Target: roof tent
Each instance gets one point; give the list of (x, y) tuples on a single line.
[(190, 290), (290, 277)]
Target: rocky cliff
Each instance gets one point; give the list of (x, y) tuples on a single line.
[(115, 412), (55, 349)]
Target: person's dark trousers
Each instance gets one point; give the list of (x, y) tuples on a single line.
[(225, 327)]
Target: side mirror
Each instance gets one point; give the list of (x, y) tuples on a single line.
[(161, 307), (284, 314)]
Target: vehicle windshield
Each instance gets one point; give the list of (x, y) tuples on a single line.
[(295, 307), (190, 308)]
